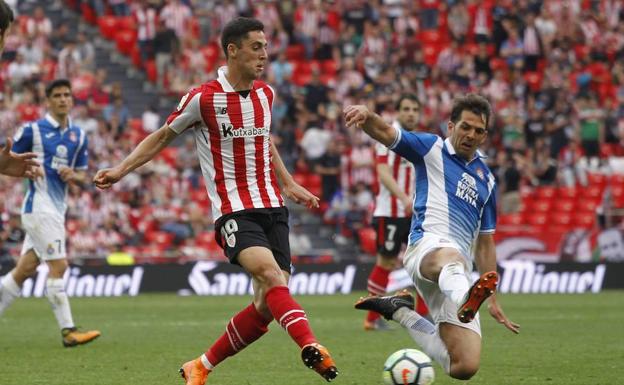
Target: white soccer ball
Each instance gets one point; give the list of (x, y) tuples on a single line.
[(408, 367)]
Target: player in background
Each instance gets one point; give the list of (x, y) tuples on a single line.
[(454, 211), (61, 148), (12, 164), (231, 120), (393, 205)]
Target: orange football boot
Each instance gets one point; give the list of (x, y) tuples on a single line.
[(194, 372), (484, 287), (73, 336), (316, 356)]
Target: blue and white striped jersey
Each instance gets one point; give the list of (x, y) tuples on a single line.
[(455, 199), (54, 148)]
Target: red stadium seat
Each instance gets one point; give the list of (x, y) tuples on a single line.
[(584, 220), (563, 205), (150, 70), (592, 192), (597, 179), (107, 26), (587, 204), (545, 192), (560, 218), (300, 178), (125, 40), (329, 67), (170, 154), (430, 36), (88, 13), (368, 240), (295, 52), (567, 192), (541, 205), (313, 181), (515, 219), (159, 238), (126, 23), (534, 80), (430, 53), (537, 219)]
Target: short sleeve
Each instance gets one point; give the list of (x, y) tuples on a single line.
[(187, 114), (413, 146), (82, 158), (23, 140), (488, 217)]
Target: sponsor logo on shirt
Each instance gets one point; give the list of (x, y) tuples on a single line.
[(467, 189), (228, 131), (60, 159)]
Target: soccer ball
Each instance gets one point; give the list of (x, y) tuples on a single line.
[(408, 367)]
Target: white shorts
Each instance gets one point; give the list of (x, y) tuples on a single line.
[(441, 308), (45, 234)]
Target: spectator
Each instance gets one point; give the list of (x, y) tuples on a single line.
[(328, 166), (176, 16), (166, 45)]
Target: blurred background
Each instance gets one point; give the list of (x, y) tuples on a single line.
[(553, 71)]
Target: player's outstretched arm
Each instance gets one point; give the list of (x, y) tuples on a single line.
[(17, 165), (143, 153), (485, 258), (361, 117), (290, 188)]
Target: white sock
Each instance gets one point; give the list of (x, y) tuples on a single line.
[(9, 290), (453, 282), (206, 363), (55, 291), (425, 334)]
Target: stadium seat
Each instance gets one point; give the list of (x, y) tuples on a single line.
[(205, 238), (160, 238), (541, 205), (107, 26), (560, 218), (295, 52), (515, 219), (430, 36), (587, 204), (537, 219), (545, 192), (368, 240), (125, 40), (584, 220), (596, 179), (592, 192), (534, 80), (563, 205), (329, 67), (300, 178), (126, 23), (88, 13), (150, 70), (566, 192)]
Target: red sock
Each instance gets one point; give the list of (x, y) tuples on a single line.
[(421, 306), (377, 283), (243, 329), (289, 315)]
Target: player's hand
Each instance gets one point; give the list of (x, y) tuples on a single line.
[(106, 177), (407, 205), (300, 195), (18, 165), (497, 313), (356, 115), (66, 174)]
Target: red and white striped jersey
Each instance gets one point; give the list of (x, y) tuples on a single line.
[(232, 138), (402, 170)]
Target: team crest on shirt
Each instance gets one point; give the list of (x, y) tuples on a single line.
[(467, 189), (481, 173), (50, 249)]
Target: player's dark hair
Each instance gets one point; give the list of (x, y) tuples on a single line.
[(56, 84), (6, 16), (474, 103), (407, 96), (237, 29)]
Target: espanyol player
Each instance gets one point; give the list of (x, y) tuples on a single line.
[(61, 149), (454, 215)]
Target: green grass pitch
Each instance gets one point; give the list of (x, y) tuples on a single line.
[(565, 339)]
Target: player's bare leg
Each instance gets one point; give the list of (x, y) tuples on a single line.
[(464, 349)]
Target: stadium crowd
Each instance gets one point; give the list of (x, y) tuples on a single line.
[(553, 71)]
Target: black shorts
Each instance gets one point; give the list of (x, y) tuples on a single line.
[(255, 227), (391, 234)]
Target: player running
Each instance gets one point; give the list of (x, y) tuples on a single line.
[(61, 148), (393, 206), (231, 120), (455, 207)]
